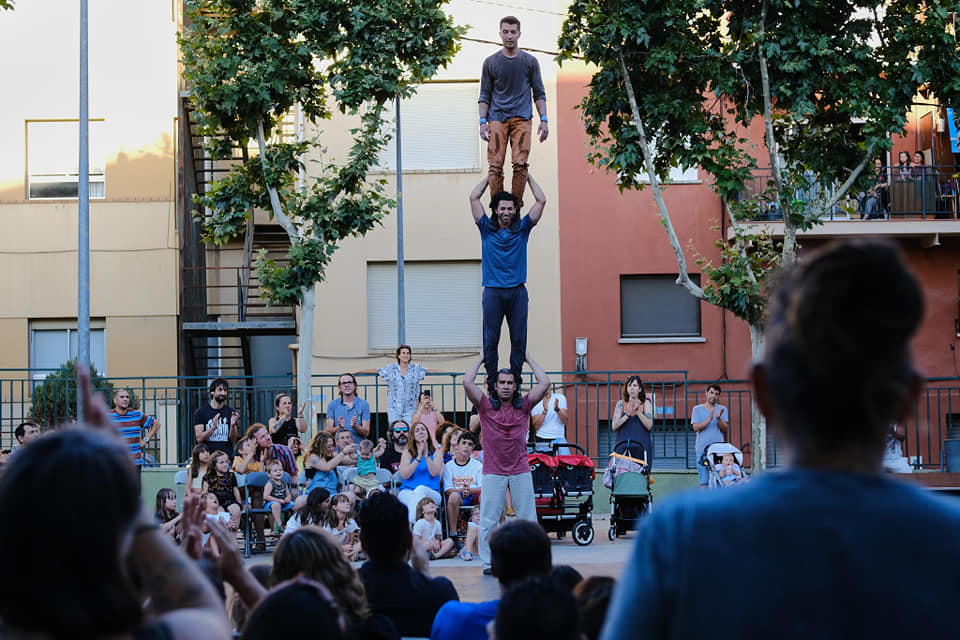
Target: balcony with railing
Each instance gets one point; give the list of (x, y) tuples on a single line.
[(917, 201)]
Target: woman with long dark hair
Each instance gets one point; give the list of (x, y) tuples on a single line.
[(633, 422)]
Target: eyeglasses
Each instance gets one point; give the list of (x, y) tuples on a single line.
[(401, 429), (347, 382)]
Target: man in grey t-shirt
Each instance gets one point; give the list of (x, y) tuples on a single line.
[(711, 422), (509, 77)]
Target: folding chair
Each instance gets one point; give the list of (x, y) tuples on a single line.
[(180, 484), (254, 512)]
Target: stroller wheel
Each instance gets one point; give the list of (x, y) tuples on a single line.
[(583, 532), (612, 533)]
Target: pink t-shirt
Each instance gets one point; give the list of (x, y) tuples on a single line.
[(505, 437)]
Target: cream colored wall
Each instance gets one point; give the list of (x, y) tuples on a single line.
[(140, 346), (438, 224), (133, 239)]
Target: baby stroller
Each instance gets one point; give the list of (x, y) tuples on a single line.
[(713, 459), (628, 479), (563, 490)]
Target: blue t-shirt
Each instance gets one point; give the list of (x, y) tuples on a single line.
[(325, 479), (809, 554), (463, 620), (421, 476), (504, 252), (710, 433), (337, 409)]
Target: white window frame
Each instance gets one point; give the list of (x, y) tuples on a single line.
[(659, 302), (443, 306), (438, 130), (69, 328), (61, 167)]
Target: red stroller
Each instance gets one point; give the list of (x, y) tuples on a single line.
[(563, 489)]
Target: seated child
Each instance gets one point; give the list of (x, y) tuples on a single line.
[(166, 513), (367, 457), (278, 494), (212, 511), (471, 546), (730, 471), (428, 530), (462, 477), (341, 524)]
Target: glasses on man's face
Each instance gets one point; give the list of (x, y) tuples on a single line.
[(401, 429), (346, 382)]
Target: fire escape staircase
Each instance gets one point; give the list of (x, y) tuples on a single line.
[(221, 307)]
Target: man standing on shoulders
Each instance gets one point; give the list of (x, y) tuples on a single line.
[(505, 463), (711, 421), (349, 411), (508, 78), (216, 424), (132, 422), (549, 418), (503, 239)]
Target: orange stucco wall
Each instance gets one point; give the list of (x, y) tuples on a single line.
[(604, 234)]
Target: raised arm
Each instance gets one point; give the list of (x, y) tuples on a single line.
[(723, 421), (152, 431), (476, 207), (543, 382), (536, 211), (469, 382)]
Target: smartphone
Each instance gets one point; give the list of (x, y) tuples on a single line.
[(426, 392)]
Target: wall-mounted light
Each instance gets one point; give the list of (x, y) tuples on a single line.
[(581, 351)]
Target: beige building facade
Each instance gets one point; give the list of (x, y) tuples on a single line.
[(443, 160), (133, 238)]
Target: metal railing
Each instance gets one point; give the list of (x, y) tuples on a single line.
[(924, 192), (228, 292), (591, 400)]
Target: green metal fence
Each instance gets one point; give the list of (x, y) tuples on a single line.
[(591, 399)]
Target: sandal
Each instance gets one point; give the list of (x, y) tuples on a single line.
[(465, 555), (510, 512)]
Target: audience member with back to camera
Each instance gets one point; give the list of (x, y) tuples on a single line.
[(118, 557), (824, 543)]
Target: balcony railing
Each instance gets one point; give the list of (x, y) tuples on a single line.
[(232, 292), (921, 192), (591, 399)]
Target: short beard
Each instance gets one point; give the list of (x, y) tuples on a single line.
[(402, 440)]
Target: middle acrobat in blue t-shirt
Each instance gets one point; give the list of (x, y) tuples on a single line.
[(503, 237)]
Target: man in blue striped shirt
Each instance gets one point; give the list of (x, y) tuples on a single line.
[(131, 423)]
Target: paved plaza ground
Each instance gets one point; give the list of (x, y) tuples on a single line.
[(599, 558)]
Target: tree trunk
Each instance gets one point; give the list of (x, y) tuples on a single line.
[(305, 355), (758, 424)]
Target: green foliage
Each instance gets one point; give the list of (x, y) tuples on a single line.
[(249, 62), (6, 4), (55, 400), (842, 76)]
